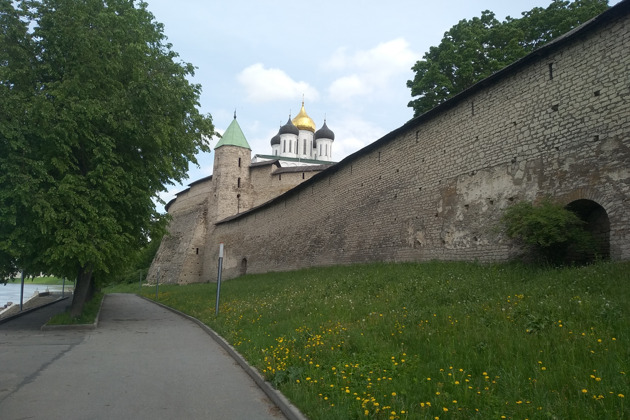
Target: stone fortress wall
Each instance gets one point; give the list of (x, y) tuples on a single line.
[(235, 186), (556, 123)]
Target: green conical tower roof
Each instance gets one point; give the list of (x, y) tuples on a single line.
[(233, 136)]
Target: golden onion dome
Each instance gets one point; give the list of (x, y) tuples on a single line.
[(303, 121)]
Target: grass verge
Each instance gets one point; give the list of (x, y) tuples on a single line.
[(430, 341), (90, 311)]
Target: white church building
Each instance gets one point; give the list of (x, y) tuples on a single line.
[(298, 143)]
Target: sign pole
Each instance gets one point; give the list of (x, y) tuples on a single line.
[(216, 311), (22, 291)]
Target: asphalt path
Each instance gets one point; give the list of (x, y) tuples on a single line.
[(142, 362)]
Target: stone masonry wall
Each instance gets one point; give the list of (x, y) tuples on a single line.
[(179, 252), (181, 257), (555, 125), (270, 181)]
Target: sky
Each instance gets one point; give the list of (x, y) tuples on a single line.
[(348, 59)]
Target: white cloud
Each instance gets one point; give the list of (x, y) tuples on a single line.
[(266, 85), (371, 71), (344, 88), (353, 133)]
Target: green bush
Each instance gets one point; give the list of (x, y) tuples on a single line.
[(550, 231)]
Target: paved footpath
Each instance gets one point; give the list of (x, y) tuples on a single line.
[(142, 362)]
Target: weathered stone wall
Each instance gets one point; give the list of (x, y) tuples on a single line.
[(178, 257), (556, 124), (270, 181), (182, 256)]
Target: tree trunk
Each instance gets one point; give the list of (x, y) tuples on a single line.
[(83, 291)]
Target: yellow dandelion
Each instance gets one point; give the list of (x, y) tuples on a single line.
[(393, 394), (584, 390)]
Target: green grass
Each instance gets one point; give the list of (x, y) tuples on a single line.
[(90, 311), (435, 340), (43, 280)]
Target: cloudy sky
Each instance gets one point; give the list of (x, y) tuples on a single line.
[(349, 59)]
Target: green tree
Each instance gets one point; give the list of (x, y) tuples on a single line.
[(549, 230), (102, 117), (474, 49)]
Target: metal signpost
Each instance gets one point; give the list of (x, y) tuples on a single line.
[(22, 292), (216, 311)]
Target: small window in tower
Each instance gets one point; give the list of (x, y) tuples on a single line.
[(304, 146), (238, 183), (239, 162), (326, 150), (197, 251), (284, 146), (290, 146)]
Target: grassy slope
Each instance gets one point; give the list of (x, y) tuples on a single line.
[(43, 280), (435, 340)]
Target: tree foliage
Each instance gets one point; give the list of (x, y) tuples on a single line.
[(548, 229), (100, 117), (474, 49)]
